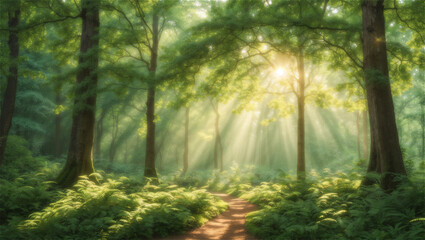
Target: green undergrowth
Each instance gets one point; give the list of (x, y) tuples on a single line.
[(18, 160), (25, 183), (113, 211), (119, 207), (24, 195), (327, 206)]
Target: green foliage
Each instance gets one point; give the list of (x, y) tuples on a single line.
[(24, 185), (226, 54), (18, 159), (110, 210), (24, 195), (166, 210), (332, 206), (374, 76), (191, 180)]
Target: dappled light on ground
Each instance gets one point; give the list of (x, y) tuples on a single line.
[(229, 225), (135, 119)]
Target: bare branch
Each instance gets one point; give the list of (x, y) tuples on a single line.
[(142, 15)]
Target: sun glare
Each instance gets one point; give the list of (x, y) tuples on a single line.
[(280, 72)]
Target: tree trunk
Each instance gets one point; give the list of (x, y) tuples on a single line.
[(359, 151), (301, 122), (58, 127), (150, 169), (386, 157), (79, 161), (12, 81), (218, 147), (186, 142), (365, 135)]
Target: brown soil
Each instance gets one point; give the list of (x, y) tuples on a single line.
[(230, 225)]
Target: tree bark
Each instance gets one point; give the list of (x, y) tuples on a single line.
[(150, 169), (218, 147), (386, 157), (12, 81), (365, 135), (186, 142), (301, 121), (79, 161)]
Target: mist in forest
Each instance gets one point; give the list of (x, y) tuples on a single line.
[(147, 119)]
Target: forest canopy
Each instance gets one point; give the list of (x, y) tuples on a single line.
[(284, 103)]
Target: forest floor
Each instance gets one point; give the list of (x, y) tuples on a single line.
[(228, 225)]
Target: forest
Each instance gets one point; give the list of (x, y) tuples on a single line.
[(212, 119)]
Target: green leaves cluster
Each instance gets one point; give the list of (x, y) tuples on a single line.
[(333, 206), (114, 210)]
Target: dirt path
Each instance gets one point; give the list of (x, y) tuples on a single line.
[(230, 225)]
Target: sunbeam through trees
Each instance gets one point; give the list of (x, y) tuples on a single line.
[(146, 119)]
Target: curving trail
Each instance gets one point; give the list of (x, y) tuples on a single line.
[(230, 225)]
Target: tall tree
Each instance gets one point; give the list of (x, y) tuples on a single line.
[(301, 105), (8, 106), (218, 147), (344, 44), (243, 40), (139, 39), (385, 155), (294, 22), (79, 161), (150, 170)]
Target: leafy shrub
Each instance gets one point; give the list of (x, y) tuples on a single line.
[(90, 211), (190, 180), (25, 194), (18, 159), (172, 211), (329, 205), (336, 208)]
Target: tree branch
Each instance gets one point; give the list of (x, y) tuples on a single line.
[(353, 59)]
